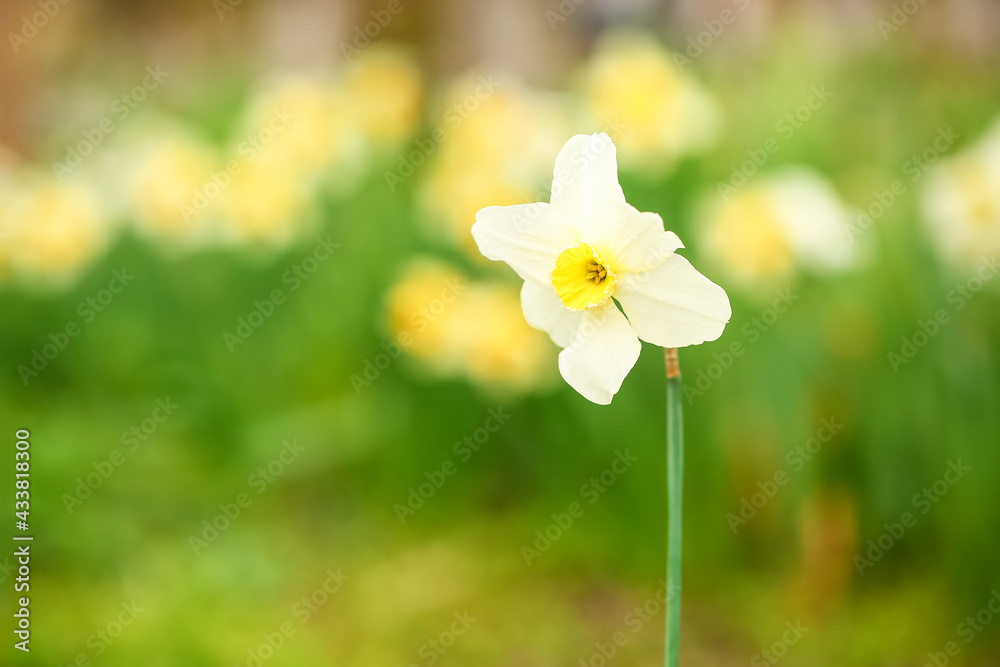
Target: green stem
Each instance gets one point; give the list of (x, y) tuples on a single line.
[(675, 493)]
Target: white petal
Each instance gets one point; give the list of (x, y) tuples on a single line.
[(543, 309), (603, 350), (673, 305), (585, 181), (529, 237), (635, 241)]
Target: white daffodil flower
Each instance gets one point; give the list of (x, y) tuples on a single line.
[(588, 252)]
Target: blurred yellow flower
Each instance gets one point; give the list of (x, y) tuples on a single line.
[(266, 200), (656, 113), (457, 189), (164, 180), (460, 328), (766, 230), (485, 112), (962, 202), (500, 349), (307, 120), (385, 92), (477, 163), (55, 229), (419, 310)]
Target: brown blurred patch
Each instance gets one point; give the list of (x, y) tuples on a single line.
[(828, 541)]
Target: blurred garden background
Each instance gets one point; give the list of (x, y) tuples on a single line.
[(283, 413)]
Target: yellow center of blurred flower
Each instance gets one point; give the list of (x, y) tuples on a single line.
[(980, 197), (582, 278), (749, 237)]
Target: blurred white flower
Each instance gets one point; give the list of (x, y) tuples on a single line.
[(790, 220), (961, 202), (588, 251)]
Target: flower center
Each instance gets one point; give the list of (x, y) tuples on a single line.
[(582, 278)]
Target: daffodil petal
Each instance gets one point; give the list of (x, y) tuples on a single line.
[(634, 241), (528, 237), (543, 309), (585, 182), (673, 305), (603, 349)]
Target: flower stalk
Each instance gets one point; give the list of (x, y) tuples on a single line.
[(675, 493)]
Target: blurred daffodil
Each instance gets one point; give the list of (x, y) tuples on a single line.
[(962, 202), (265, 201), (419, 311), (473, 164), (308, 121), (658, 112), (586, 253), (385, 92), (54, 230), (162, 183), (500, 350), (764, 231), (461, 328), (456, 190)]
